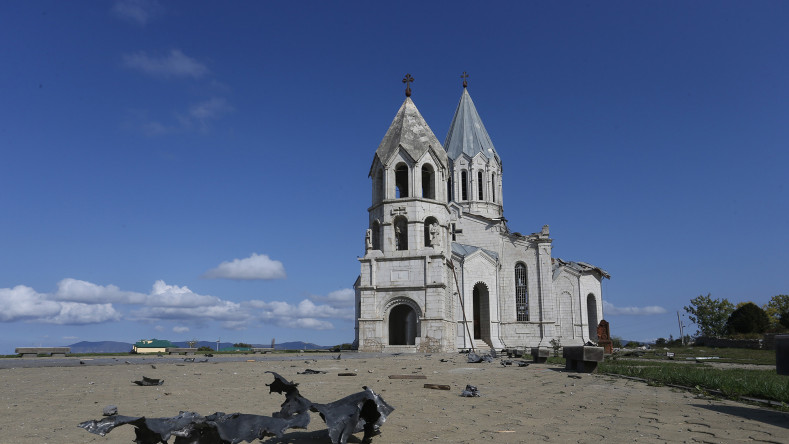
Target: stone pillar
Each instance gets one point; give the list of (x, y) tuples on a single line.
[(547, 315)]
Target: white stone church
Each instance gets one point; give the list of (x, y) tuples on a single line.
[(442, 269)]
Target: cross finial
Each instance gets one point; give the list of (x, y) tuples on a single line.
[(407, 80), (464, 76)]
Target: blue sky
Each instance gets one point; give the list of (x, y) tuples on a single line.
[(191, 169)]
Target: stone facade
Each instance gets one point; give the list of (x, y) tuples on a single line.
[(442, 271)]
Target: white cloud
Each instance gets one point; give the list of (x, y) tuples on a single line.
[(306, 314), (75, 313), (312, 324), (221, 311), (163, 295), (180, 329), (257, 266), (22, 302), (236, 325), (137, 11), (75, 290), (174, 64), (610, 309), (339, 298)]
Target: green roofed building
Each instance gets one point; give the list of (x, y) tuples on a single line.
[(152, 346)]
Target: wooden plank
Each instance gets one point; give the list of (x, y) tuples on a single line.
[(346, 374), (407, 377)]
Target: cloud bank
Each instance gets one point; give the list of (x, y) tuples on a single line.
[(78, 302), (24, 303)]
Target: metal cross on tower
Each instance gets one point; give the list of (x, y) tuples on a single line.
[(464, 76), (407, 80)]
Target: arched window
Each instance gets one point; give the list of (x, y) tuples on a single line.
[(376, 236), (521, 295), (480, 186), (428, 182), (378, 192), (493, 187), (401, 233), (449, 189), (401, 181), (591, 308), (428, 235), (463, 185)]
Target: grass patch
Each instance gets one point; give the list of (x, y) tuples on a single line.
[(730, 355), (733, 383)]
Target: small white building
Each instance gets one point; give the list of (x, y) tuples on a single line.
[(442, 269)]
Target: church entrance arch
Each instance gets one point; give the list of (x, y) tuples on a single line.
[(403, 323), (591, 308), (481, 304)]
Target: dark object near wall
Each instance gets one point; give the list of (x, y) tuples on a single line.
[(363, 411)]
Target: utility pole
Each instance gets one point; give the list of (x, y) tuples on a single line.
[(681, 333)]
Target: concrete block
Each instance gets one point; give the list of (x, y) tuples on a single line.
[(582, 359), (782, 354), (540, 355)]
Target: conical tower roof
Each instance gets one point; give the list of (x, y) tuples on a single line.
[(410, 131), (467, 134)]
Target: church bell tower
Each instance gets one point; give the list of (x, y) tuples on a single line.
[(404, 292)]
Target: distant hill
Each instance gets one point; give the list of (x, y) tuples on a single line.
[(297, 345), (124, 347), (100, 347)]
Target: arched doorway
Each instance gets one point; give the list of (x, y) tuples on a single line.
[(481, 312), (402, 325), (591, 309)]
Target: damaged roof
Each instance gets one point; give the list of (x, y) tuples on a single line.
[(465, 250), (581, 267), (410, 131), (467, 135)]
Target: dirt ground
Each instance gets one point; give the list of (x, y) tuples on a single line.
[(537, 403)]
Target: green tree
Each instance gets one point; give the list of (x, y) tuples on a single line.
[(709, 315), (778, 304), (749, 318), (784, 319)]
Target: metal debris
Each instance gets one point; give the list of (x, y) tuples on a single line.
[(474, 358), (470, 391), (146, 381), (364, 411)]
